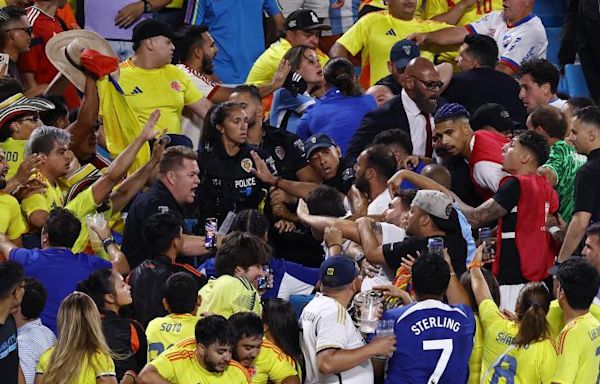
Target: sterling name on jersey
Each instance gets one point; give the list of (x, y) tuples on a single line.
[(434, 343)]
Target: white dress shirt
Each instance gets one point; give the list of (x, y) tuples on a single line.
[(417, 124)]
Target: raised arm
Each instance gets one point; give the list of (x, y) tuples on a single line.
[(118, 168), (371, 247), (295, 188), (446, 36), (319, 223), (481, 291), (81, 128)]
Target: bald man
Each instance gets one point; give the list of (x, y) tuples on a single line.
[(411, 111)]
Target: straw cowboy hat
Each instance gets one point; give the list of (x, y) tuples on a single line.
[(64, 52)]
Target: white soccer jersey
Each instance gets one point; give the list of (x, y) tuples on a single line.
[(517, 43), (327, 324)]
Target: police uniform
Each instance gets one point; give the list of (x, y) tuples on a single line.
[(287, 150), (344, 178), (227, 183), (157, 199)]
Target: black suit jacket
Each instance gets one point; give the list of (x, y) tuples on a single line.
[(479, 86), (390, 115)]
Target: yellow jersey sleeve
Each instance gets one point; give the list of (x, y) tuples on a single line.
[(166, 365), (476, 354), (103, 365), (35, 202), (435, 7), (490, 315), (357, 37), (11, 220), (274, 363), (42, 364), (264, 67)]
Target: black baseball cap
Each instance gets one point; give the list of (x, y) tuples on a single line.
[(152, 28), (304, 19), (403, 52), (494, 115), (317, 141)]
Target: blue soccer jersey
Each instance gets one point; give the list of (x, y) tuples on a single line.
[(434, 343)]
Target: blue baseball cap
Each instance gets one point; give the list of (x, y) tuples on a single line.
[(403, 52), (319, 140), (337, 271)]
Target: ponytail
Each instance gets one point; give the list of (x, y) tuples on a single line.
[(340, 73), (98, 284), (215, 116), (532, 308)]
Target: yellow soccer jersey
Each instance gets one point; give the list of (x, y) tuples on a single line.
[(168, 89), (579, 352), (14, 151), (265, 66), (374, 35), (179, 365), (52, 197), (476, 354), (534, 363), (100, 365), (271, 365), (227, 295), (474, 13), (163, 332), (11, 219), (556, 318)]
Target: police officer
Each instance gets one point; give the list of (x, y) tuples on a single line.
[(226, 179), (173, 191)]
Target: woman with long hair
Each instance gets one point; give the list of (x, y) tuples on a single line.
[(304, 83), (339, 112), (81, 354), (518, 349), (125, 337), (281, 328), (225, 161)]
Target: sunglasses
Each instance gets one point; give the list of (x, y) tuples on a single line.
[(28, 30), (33, 119), (431, 85)]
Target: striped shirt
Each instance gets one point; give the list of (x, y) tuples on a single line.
[(34, 338)]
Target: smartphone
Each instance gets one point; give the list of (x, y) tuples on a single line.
[(265, 281), (4, 62), (210, 236), (435, 246)]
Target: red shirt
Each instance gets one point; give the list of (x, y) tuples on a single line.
[(36, 61)]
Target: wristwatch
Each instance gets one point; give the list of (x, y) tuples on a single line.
[(147, 6), (107, 242)]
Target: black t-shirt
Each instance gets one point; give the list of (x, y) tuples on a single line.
[(457, 249), (9, 354), (507, 196), (227, 183), (344, 178), (147, 283), (126, 338), (587, 187), (157, 199), (389, 82), (287, 149)]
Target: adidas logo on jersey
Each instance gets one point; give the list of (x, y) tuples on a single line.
[(391, 32), (136, 91)]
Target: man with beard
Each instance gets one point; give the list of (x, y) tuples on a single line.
[(196, 51), (482, 149), (11, 220), (411, 111), (205, 359), (374, 166)]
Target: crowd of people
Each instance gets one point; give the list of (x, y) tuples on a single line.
[(323, 191)]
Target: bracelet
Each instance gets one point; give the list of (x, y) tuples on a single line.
[(107, 242), (359, 258), (130, 375), (474, 264), (452, 274)]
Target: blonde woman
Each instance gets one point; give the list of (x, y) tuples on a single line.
[(81, 355)]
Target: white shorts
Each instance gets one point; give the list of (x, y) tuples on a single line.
[(509, 295)]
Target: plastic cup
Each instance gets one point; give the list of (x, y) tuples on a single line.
[(98, 220), (368, 313)]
